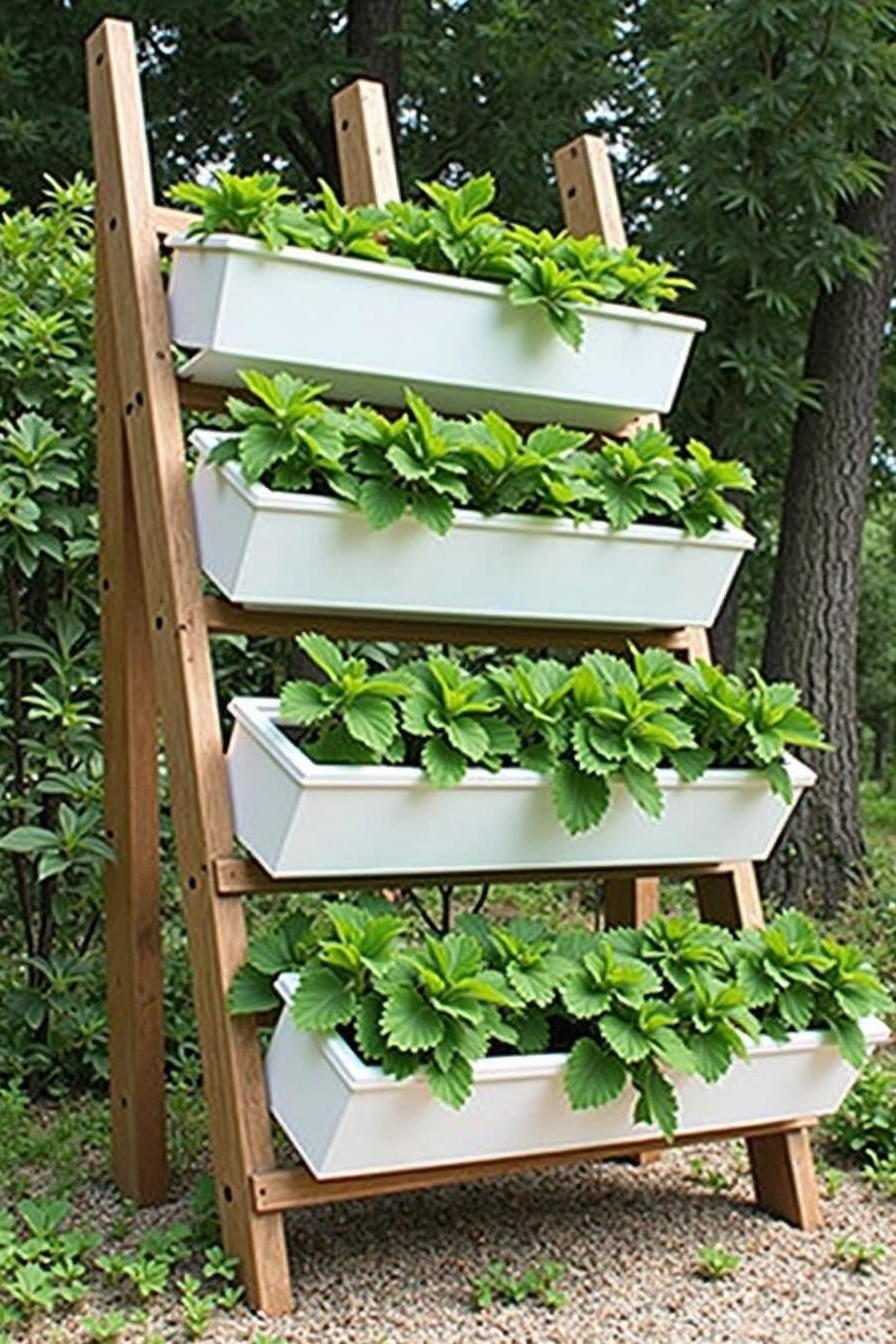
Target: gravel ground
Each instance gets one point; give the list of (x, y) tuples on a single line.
[(398, 1270)]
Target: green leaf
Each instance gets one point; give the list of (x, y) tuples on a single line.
[(371, 1040), (468, 735), (712, 1054), (624, 1038), (409, 1022), (251, 992), (26, 839), (581, 800), (451, 1085), (304, 702), (642, 785), (434, 511), (656, 1099), (850, 1042), (372, 720), (324, 653), (444, 765), (795, 1006), (381, 503), (592, 1076), (323, 1001)]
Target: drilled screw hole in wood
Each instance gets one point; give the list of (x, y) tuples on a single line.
[(160, 621)]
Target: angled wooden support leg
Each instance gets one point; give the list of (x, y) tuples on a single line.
[(131, 879), (148, 399), (784, 1178), (630, 901), (731, 898)]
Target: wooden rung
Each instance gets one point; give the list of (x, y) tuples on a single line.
[(296, 1187), (205, 396), (241, 877), (169, 220), (224, 617)]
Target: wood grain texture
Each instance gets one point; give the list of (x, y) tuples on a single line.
[(296, 1187), (364, 144), (224, 617), (784, 1178), (131, 880), (588, 190), (240, 1126), (239, 877)]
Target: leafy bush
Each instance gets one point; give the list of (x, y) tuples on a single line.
[(455, 233), (423, 464), (51, 839), (629, 1005), (864, 1128), (539, 1284), (604, 720)]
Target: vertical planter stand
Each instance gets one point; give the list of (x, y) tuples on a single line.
[(156, 652)]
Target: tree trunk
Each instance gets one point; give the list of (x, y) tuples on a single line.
[(811, 635), (369, 21)]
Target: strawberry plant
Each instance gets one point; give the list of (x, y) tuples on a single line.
[(636, 1006), (425, 464), (604, 721), (455, 232)]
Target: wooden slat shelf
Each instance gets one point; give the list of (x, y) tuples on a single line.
[(224, 617), (157, 656), (242, 877), (296, 1187)]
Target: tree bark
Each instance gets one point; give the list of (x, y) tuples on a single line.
[(813, 620), (369, 21)]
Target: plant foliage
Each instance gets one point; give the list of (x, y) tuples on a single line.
[(635, 1007), (455, 232), (426, 465), (601, 723)]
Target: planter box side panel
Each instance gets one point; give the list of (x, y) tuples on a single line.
[(225, 525), (267, 803), (417, 829), (320, 559), (306, 1095), (464, 349), (197, 292), (401, 1125)]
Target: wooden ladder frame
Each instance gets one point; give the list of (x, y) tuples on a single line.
[(156, 626)]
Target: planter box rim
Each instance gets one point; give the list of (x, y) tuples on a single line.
[(262, 498), (258, 716), (233, 242), (361, 1077)]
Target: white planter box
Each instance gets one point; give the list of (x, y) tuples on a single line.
[(272, 549), (371, 330), (302, 819), (347, 1118)]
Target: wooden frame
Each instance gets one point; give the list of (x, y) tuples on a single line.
[(156, 628)]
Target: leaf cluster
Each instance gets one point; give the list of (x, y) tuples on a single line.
[(454, 232), (427, 465), (539, 1283), (629, 1006), (603, 722)]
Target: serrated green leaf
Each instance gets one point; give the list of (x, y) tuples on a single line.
[(371, 719), (581, 800), (444, 765), (381, 503), (624, 1038), (592, 1076), (409, 1022), (323, 1001)]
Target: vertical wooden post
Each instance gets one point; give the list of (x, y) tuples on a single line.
[(364, 144), (131, 879), (148, 401)]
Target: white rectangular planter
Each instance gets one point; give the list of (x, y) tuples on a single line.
[(371, 330), (347, 1118), (299, 818), (273, 549)]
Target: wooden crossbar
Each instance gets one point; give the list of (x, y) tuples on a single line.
[(156, 628), (296, 1187)]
